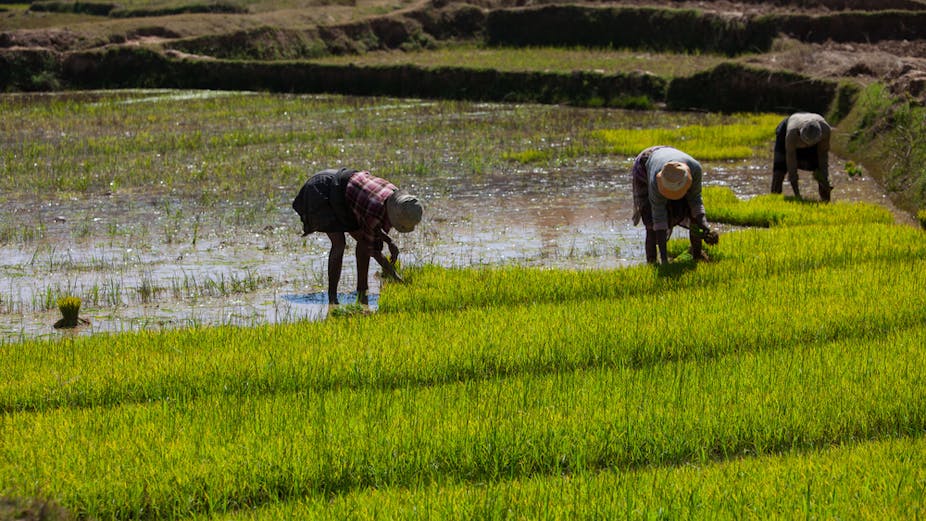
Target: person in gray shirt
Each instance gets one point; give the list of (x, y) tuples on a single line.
[(666, 193), (802, 142)]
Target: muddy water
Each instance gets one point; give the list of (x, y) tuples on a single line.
[(142, 261)]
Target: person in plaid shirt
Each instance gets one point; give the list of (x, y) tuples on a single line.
[(367, 207)]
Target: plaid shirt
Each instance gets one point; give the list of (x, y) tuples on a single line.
[(367, 196)]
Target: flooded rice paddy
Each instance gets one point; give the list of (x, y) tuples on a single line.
[(164, 209)]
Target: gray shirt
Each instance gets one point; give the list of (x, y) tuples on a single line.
[(793, 142), (657, 201)]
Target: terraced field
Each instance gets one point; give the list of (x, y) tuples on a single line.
[(532, 366)]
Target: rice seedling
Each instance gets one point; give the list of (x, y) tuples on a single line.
[(234, 448), (491, 377), (774, 209), (69, 307), (735, 140), (737, 137), (877, 478), (785, 375), (921, 217)]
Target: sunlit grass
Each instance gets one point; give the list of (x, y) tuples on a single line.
[(786, 375), (775, 209), (735, 140), (738, 137), (874, 480)]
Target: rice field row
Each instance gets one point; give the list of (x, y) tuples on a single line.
[(873, 480), (786, 344), (216, 453), (547, 59)]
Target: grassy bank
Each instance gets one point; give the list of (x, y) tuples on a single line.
[(888, 136)]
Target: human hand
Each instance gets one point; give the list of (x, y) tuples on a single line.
[(702, 229)]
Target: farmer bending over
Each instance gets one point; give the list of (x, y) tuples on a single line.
[(366, 207), (667, 193), (802, 141)]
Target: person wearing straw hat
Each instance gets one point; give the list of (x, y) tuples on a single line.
[(667, 193), (802, 142), (367, 207)]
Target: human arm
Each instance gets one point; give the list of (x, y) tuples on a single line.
[(387, 266), (823, 154), (393, 249), (791, 138)]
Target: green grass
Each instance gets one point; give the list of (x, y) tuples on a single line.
[(545, 59), (875, 480), (780, 361), (787, 375), (772, 210), (735, 140), (738, 136)]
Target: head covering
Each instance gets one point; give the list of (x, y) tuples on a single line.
[(674, 180), (404, 211), (811, 132)]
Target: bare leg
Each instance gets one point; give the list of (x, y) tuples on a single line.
[(778, 179), (697, 253), (335, 260), (650, 247), (824, 186), (362, 254)]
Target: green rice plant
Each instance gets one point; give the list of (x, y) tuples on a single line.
[(69, 307), (774, 210), (921, 217), (878, 480), (528, 156), (48, 143), (246, 447), (736, 140), (347, 310), (853, 169), (472, 379), (741, 256), (551, 320)]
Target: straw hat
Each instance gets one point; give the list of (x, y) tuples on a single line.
[(811, 132), (404, 211), (674, 180)]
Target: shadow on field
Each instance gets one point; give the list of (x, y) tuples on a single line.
[(21, 509)]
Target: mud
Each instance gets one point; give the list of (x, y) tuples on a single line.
[(143, 261)]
